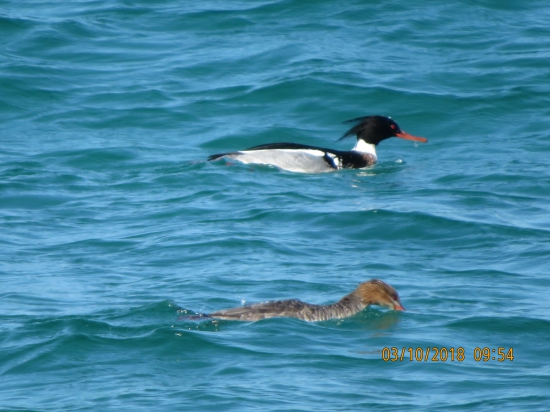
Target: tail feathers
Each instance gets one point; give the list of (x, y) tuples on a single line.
[(217, 156), (196, 316)]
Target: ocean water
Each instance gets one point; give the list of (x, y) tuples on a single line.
[(113, 224)]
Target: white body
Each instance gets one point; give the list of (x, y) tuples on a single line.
[(298, 160)]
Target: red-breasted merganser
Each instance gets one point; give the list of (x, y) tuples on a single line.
[(373, 292), (295, 157)]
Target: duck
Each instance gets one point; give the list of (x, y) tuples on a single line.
[(295, 157), (372, 292)]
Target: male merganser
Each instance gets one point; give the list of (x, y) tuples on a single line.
[(373, 292), (295, 157)]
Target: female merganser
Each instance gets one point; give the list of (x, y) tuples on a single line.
[(295, 157), (373, 292)]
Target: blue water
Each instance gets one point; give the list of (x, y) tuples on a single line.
[(113, 224)]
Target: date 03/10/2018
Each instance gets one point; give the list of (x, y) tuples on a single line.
[(458, 354)]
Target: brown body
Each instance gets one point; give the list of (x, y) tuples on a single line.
[(373, 292)]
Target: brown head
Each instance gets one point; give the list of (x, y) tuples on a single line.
[(376, 292)]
